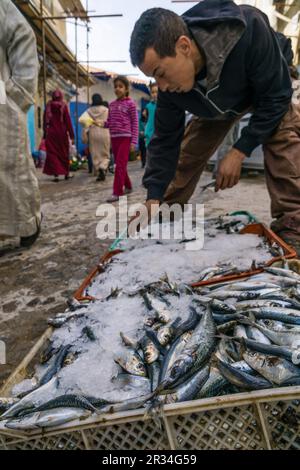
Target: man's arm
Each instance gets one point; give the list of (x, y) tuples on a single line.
[(22, 59), (163, 151), (270, 81)]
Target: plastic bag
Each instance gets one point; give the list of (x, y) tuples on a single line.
[(86, 120)]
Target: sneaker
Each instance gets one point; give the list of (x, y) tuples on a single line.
[(112, 198)]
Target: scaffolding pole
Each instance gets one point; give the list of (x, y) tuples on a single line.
[(44, 54), (41, 18), (88, 55), (76, 107)]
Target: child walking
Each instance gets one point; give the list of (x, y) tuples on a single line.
[(124, 130)]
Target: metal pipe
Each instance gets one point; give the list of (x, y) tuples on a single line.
[(44, 56), (76, 107), (79, 17), (88, 56)]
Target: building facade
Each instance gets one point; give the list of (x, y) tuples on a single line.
[(60, 70)]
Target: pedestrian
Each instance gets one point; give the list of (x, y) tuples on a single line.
[(20, 213), (142, 143), (98, 137), (124, 130), (151, 109), (209, 63), (58, 131)]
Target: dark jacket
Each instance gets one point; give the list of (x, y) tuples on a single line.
[(246, 71)]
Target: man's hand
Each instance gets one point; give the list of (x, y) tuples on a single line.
[(151, 208), (229, 170)]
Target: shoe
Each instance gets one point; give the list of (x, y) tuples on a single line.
[(27, 242), (69, 177), (56, 179), (112, 198), (101, 175), (127, 191), (111, 170)]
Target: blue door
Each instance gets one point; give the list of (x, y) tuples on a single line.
[(81, 108)]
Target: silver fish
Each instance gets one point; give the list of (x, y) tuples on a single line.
[(196, 352), (189, 389), (35, 398), (274, 369), (131, 363), (60, 416), (242, 379)]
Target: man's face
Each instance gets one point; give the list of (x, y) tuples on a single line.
[(173, 74)]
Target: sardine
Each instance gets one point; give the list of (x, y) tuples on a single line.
[(189, 389), (253, 332), (56, 366), (274, 313), (195, 354), (283, 272), (281, 338), (160, 309), (241, 379), (7, 403), (131, 404), (175, 349), (70, 401), (274, 369), (216, 385), (61, 319), (150, 352), (128, 341), (252, 285), (58, 417), (33, 399), (132, 363)]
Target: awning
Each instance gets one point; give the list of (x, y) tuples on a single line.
[(105, 75)]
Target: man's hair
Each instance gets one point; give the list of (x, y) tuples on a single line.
[(158, 28)]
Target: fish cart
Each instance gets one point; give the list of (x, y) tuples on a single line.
[(262, 419)]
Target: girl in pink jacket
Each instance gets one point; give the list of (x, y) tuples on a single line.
[(124, 131)]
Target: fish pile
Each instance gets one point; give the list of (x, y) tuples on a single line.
[(160, 343), (238, 336), (181, 259)]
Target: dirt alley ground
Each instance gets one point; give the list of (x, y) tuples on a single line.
[(36, 283)]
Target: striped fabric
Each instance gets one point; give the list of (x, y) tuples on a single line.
[(123, 119)]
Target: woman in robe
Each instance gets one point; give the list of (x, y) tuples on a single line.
[(58, 131)]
